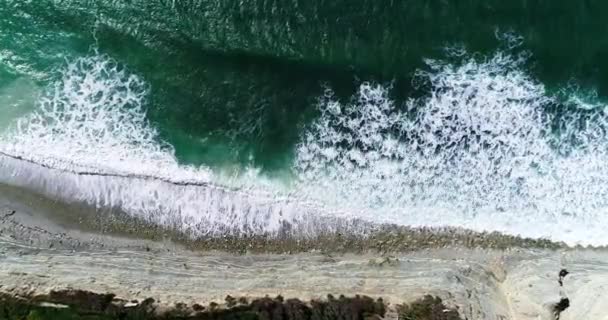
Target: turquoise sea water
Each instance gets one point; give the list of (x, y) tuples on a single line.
[(487, 115)]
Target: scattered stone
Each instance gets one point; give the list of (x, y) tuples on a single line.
[(11, 213), (383, 239), (384, 261)]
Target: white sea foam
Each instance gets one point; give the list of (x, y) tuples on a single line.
[(480, 150), (93, 120), (89, 141)]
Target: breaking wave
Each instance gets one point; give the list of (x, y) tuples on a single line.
[(487, 147), (89, 141)]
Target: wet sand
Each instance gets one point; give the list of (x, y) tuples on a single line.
[(39, 254)]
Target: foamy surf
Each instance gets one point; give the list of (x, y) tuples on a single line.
[(480, 151)]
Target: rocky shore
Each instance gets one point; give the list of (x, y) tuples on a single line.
[(46, 262)]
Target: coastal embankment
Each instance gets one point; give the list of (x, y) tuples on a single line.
[(42, 257)]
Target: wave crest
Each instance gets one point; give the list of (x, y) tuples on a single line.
[(478, 151)]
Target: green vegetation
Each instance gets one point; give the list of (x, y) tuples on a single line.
[(427, 308), (81, 305)]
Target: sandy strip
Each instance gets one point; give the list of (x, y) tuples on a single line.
[(38, 255)]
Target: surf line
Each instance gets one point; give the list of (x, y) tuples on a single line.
[(270, 198), (115, 175)]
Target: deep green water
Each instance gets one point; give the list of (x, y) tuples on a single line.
[(235, 81)]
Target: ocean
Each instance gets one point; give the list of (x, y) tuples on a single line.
[(262, 117)]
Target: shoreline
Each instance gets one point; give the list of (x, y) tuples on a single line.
[(71, 226), (39, 255), (210, 223)]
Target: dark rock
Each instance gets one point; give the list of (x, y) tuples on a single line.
[(562, 305), (562, 274)]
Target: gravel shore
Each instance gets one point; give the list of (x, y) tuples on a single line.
[(515, 280)]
